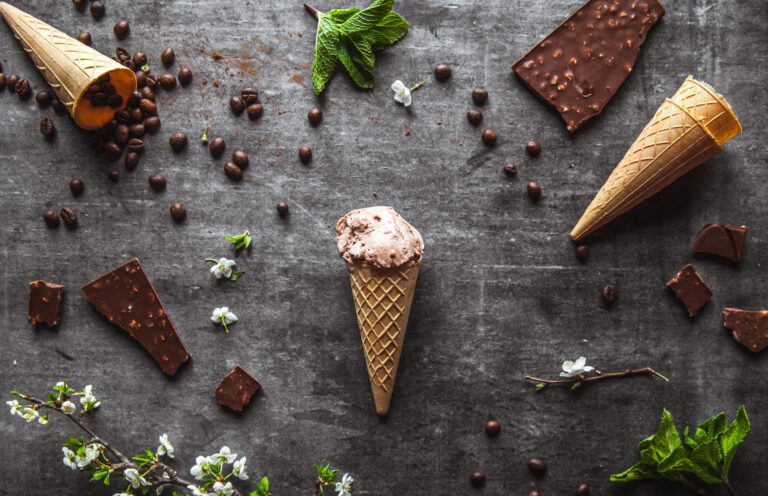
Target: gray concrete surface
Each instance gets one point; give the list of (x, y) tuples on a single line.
[(500, 294)]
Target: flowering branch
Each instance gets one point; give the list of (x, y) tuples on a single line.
[(576, 373)]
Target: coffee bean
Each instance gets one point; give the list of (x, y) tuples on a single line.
[(23, 89), (178, 142), (510, 170), (533, 148), (123, 116), (315, 116), (113, 176), (141, 79), (115, 101), (137, 131), (152, 124), (492, 427), (76, 186), (240, 159), (167, 57), (157, 182), (489, 137), (108, 129), (133, 101), (474, 117), (113, 149), (85, 38), (237, 105), (185, 76), (57, 106), (178, 211), (3, 81), (139, 59), (233, 172), (249, 96), (533, 492), (534, 190), (121, 135), (582, 253), (479, 96), (148, 93), (136, 145), (69, 216), (97, 10), (282, 209), (254, 111), (10, 82), (47, 128), (43, 98), (610, 293), (537, 466), (217, 147), (148, 107), (477, 478), (51, 218), (131, 161), (137, 115), (80, 4), (305, 154), (122, 29), (443, 72), (122, 54), (167, 81), (151, 82), (582, 490)]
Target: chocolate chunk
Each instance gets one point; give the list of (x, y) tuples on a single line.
[(580, 66), (690, 289), (750, 329), (127, 299), (236, 389), (721, 239), (45, 303)]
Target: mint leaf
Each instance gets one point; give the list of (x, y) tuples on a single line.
[(326, 46), (365, 50), (636, 472), (706, 458), (236, 275), (368, 17), (731, 438), (341, 15), (388, 31), (357, 71)]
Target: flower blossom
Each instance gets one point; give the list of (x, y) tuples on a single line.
[(223, 268), (344, 488), (579, 367), (165, 448)]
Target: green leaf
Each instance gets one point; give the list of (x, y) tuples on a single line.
[(636, 472), (388, 31), (731, 439), (357, 71), (326, 46), (236, 275), (74, 442), (341, 15), (239, 241), (212, 260), (706, 458), (540, 387), (368, 17)]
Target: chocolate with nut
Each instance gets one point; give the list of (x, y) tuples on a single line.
[(750, 329), (580, 66), (236, 389), (127, 299), (690, 289), (721, 239), (45, 303)]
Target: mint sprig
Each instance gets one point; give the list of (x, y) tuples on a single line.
[(704, 458), (239, 241), (351, 37)]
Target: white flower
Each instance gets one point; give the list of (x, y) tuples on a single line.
[(402, 93), (344, 488), (91, 453), (70, 458), (87, 394), (165, 448), (42, 419), (198, 469), (223, 268), (68, 407), (28, 414), (122, 494), (220, 489), (134, 478), (578, 367), (239, 469), (61, 384), (196, 490), (223, 316), (15, 407), (224, 455)]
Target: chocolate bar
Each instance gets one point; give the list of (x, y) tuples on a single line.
[(721, 239), (581, 65), (690, 289), (236, 389), (127, 299), (750, 329), (45, 303)]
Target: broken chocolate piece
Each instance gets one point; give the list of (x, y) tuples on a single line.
[(126, 297), (690, 289), (750, 329), (45, 303), (581, 65), (721, 239), (236, 389)]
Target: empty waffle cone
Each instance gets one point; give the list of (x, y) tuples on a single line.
[(69, 66), (709, 108), (382, 304)]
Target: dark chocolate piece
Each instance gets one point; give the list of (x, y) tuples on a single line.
[(45, 303), (721, 239), (690, 289), (750, 329), (236, 389), (126, 297), (581, 65)]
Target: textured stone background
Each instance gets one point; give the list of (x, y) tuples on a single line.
[(500, 294)]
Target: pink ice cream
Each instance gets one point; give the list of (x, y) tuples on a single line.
[(379, 237)]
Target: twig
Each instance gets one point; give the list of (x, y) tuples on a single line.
[(599, 376), (312, 10)]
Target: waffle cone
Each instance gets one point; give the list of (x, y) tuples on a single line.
[(709, 108), (69, 66), (382, 304)]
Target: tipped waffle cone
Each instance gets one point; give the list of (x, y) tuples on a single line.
[(69, 66), (672, 144), (382, 304), (709, 108)]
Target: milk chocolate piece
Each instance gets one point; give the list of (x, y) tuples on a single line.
[(721, 239), (45, 303), (127, 299), (236, 389), (690, 289), (580, 66), (750, 329)]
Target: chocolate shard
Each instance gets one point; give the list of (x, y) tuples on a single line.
[(127, 299), (721, 239), (750, 329), (690, 289), (236, 389), (45, 303), (581, 65)]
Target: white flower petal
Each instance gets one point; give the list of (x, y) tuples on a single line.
[(397, 86), (580, 362), (567, 366)]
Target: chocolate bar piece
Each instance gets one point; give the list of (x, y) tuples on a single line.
[(236, 389), (690, 289), (45, 303), (580, 66), (721, 239), (126, 297), (750, 329)]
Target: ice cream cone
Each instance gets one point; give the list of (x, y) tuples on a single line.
[(709, 108), (69, 66), (673, 143), (382, 304)]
